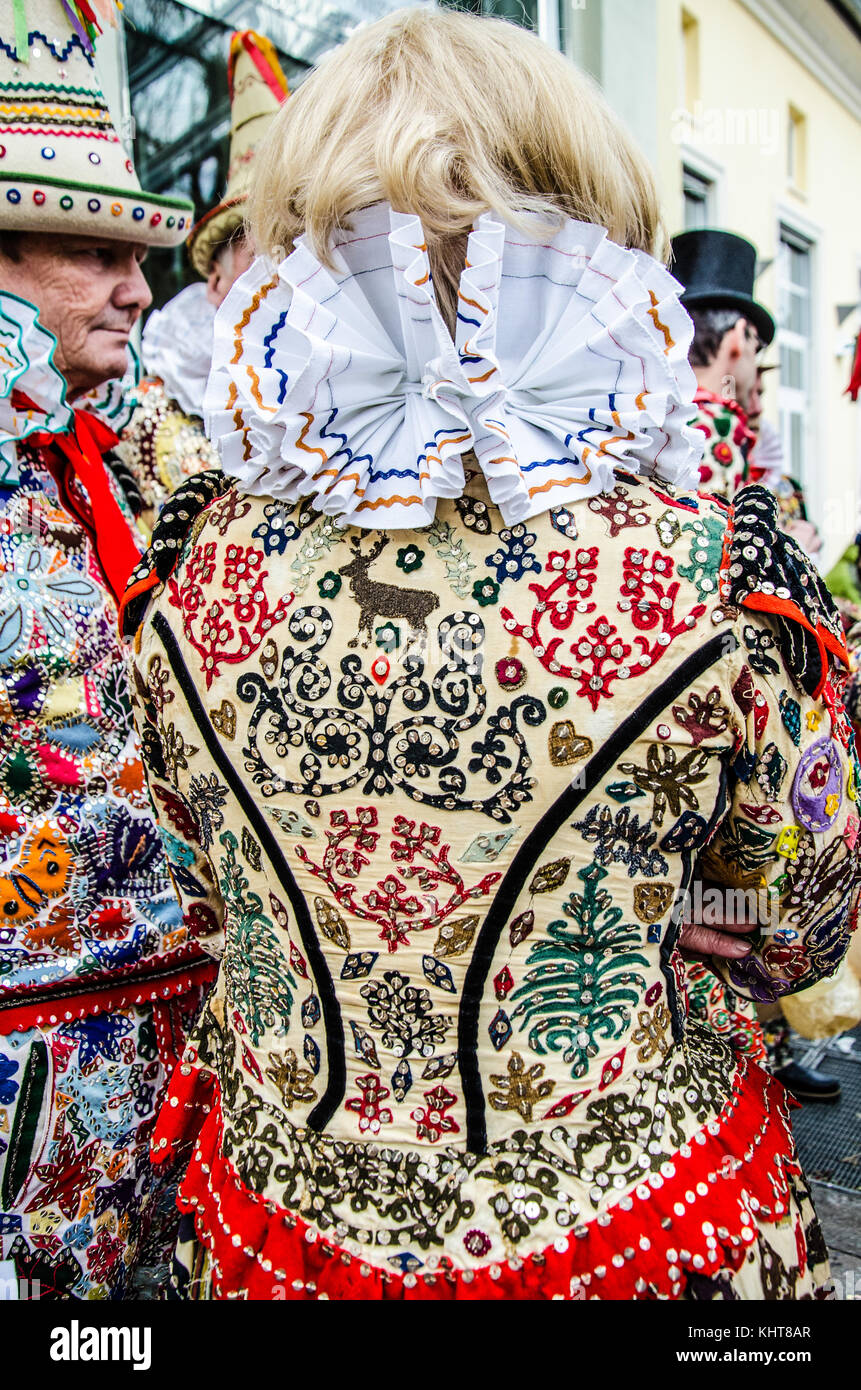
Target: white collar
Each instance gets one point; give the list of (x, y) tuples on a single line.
[(27, 366), (177, 346), (570, 358)]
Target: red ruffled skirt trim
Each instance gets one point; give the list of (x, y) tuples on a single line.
[(698, 1216)]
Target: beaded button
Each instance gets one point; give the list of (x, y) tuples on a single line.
[(12, 195), (94, 204), (48, 153), (155, 219), (116, 209), (66, 202), (94, 158), (38, 197), (171, 221), (137, 214)]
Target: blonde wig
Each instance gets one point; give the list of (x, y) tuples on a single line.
[(447, 115)]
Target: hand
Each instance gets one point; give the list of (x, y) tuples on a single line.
[(806, 534), (718, 938)]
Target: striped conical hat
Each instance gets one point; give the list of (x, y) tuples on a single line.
[(257, 88), (63, 167)]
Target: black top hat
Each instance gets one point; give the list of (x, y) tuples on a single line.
[(717, 270)]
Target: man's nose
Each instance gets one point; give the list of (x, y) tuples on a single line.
[(133, 291)]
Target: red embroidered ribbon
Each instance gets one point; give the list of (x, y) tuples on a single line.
[(89, 996), (80, 451), (769, 603)]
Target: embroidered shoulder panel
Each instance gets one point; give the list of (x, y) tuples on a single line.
[(767, 570), (174, 524)]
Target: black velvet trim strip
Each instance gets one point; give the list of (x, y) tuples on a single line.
[(336, 1062), (689, 860), (524, 861), (25, 1125)]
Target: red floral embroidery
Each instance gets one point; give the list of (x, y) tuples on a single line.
[(103, 1253), (619, 509), (369, 1105), (66, 1179), (646, 593), (431, 1120), (231, 626), (179, 814), (390, 905)]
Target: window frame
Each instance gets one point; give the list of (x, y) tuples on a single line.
[(794, 229), (711, 171)]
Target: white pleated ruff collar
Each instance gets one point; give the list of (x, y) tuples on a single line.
[(27, 371), (33, 392), (344, 386)]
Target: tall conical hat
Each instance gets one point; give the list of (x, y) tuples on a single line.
[(63, 167), (257, 88)]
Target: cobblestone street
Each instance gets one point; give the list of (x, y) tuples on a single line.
[(829, 1138)]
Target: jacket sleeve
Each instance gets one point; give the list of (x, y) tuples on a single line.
[(788, 838)]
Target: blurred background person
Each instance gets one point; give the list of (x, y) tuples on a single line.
[(165, 442), (218, 244)]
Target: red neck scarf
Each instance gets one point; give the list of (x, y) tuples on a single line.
[(78, 454)]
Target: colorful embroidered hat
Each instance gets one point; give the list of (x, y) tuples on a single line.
[(257, 88), (63, 167)]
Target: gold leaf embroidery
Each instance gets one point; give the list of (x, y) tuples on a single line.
[(550, 876), (520, 1090), (224, 719), (651, 900), (652, 1033), (293, 1081), (566, 746), (332, 924), (455, 937)]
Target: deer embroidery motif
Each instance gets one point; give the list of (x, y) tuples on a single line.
[(384, 600)]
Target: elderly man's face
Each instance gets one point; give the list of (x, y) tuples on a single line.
[(90, 292), (228, 264)]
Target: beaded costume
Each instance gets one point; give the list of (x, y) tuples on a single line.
[(98, 975)]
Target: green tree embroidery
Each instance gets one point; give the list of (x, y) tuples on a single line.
[(580, 983), (259, 982), (706, 552)]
